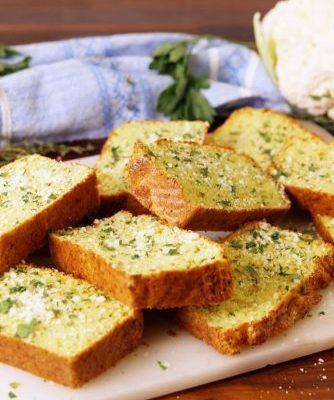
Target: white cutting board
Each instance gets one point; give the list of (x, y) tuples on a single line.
[(189, 362)]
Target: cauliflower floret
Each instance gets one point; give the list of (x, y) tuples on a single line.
[(299, 40)]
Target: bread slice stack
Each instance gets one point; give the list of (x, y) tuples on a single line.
[(277, 274), (38, 194), (111, 169), (243, 291), (258, 133), (62, 328), (202, 187), (145, 263)]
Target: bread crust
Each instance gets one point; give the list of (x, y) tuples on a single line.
[(31, 235), (316, 202), (124, 200), (235, 115), (325, 233), (205, 284), (292, 307), (163, 196), (77, 370)]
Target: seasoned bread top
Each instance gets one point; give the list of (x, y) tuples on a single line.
[(143, 245), (307, 163), (32, 183), (259, 133), (216, 177), (54, 311), (267, 263), (111, 171)]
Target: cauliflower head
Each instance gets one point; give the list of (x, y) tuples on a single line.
[(296, 43)]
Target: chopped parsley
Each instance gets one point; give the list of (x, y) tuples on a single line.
[(23, 331), (5, 306), (163, 365)]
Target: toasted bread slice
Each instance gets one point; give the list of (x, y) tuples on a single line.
[(325, 226), (145, 263), (38, 194), (306, 168), (111, 168), (259, 133), (61, 328), (277, 274), (202, 187)]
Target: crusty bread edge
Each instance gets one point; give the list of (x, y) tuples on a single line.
[(209, 283), (235, 114), (145, 176), (124, 200), (74, 371), (292, 307), (66, 210), (315, 201), (322, 228)]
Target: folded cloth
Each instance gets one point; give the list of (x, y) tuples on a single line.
[(83, 88)]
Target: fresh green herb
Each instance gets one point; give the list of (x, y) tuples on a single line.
[(204, 171), (15, 385), (12, 152), (17, 289), (275, 236), (281, 272), (114, 152), (321, 313), (182, 99), (250, 269), (173, 252), (25, 330), (6, 305), (12, 395), (7, 68), (236, 244), (163, 365), (250, 245)]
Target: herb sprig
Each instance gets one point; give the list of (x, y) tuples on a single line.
[(7, 68), (12, 152), (182, 99)]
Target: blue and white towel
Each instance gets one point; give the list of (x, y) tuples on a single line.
[(83, 88)]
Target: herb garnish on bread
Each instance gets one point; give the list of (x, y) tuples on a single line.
[(38, 194), (111, 167), (276, 274), (259, 133), (202, 187), (145, 263), (61, 328), (306, 168)]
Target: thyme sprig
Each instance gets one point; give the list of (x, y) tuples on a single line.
[(12, 152)]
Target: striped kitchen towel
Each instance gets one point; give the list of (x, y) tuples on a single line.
[(83, 88)]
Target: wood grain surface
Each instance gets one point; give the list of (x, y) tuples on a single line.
[(23, 21)]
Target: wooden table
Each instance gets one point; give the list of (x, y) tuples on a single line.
[(23, 21)]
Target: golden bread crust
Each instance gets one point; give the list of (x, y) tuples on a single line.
[(206, 284), (31, 235), (77, 370), (292, 307), (163, 196)]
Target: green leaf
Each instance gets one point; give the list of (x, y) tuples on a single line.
[(6, 69), (182, 99), (6, 52), (178, 53)]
